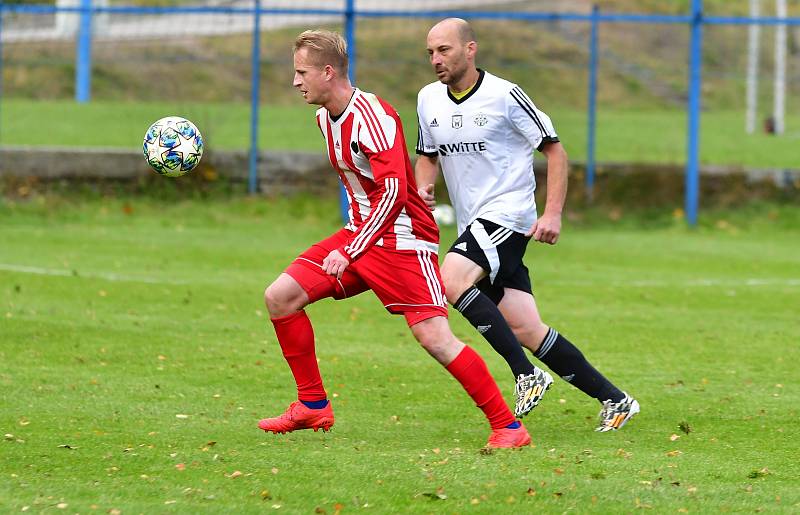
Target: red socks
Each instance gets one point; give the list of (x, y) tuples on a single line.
[(470, 370), (296, 337)]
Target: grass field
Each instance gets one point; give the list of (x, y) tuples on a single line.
[(136, 358), (638, 136)]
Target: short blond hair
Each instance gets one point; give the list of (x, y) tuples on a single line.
[(325, 47)]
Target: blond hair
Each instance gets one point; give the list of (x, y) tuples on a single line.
[(324, 47)]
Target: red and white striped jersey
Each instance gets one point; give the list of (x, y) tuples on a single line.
[(366, 146)]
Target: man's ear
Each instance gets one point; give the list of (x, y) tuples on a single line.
[(472, 49)]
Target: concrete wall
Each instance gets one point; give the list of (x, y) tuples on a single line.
[(280, 173), (286, 173)]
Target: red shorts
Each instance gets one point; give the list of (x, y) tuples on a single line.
[(407, 282)]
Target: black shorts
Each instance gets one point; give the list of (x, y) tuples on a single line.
[(499, 251)]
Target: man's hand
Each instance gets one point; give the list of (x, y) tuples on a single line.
[(426, 193), (546, 229), (335, 264)]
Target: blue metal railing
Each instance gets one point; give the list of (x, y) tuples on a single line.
[(592, 105), (695, 20), (692, 178)]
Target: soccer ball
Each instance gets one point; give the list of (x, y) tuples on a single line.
[(173, 146), (444, 214)]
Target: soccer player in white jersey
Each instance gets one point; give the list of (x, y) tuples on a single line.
[(483, 130), (388, 246)]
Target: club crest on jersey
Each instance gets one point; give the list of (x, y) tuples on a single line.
[(480, 119), (458, 121)]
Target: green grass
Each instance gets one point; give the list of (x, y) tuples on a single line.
[(655, 136), (134, 381)]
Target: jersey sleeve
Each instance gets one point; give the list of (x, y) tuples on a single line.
[(425, 144), (529, 120), (380, 138)]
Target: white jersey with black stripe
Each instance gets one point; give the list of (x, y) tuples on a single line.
[(485, 143)]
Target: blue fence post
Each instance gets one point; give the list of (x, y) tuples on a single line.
[(692, 159), (350, 38), (255, 90), (592, 106), (1, 70), (83, 57)]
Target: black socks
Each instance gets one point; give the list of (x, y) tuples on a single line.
[(483, 314), (568, 361)]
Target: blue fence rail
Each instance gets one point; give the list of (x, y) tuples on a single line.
[(695, 20)]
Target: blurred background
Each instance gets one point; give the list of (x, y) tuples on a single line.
[(93, 74)]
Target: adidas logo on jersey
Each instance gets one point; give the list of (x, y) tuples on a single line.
[(434, 123), (483, 328), (338, 146), (461, 246)]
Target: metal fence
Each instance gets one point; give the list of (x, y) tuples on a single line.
[(107, 36)]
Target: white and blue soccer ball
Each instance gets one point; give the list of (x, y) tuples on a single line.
[(173, 146), (444, 214)]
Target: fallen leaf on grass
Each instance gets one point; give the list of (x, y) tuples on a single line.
[(758, 473), (622, 453), (434, 496), (672, 454), (438, 495), (67, 446), (684, 426)]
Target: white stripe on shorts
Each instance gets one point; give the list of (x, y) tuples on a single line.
[(434, 285), (489, 250)]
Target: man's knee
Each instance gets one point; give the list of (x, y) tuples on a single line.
[(530, 335), (284, 297), (435, 336), (428, 333), (454, 285), (458, 275)]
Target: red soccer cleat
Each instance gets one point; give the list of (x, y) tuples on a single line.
[(508, 438), (298, 416)]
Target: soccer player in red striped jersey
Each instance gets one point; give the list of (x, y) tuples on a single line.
[(389, 246)]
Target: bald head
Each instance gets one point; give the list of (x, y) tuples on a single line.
[(458, 28), (452, 48)]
